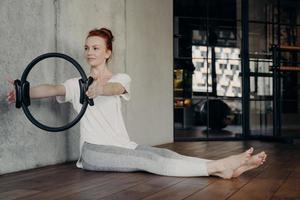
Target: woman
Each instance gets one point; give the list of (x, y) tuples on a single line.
[(104, 142)]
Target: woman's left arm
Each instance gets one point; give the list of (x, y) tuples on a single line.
[(109, 89)]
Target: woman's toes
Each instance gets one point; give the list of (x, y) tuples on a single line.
[(262, 154), (250, 151)]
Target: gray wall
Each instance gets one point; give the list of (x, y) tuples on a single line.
[(149, 58), (142, 48)]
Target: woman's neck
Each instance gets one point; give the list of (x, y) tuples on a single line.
[(100, 71)]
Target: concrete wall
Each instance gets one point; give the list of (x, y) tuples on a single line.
[(27, 30), (142, 48), (149, 60)]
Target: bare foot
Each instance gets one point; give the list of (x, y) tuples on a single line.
[(226, 167), (254, 162)]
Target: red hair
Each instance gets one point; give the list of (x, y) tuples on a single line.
[(104, 33)]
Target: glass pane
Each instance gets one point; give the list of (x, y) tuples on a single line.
[(228, 69), (290, 104), (289, 10), (199, 37), (224, 118), (261, 10), (259, 40), (196, 116), (261, 117), (260, 65), (202, 77), (261, 87)]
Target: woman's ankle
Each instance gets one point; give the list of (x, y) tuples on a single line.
[(213, 167)]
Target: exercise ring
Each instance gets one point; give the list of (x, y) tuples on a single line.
[(22, 88)]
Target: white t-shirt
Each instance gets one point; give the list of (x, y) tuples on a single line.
[(102, 123)]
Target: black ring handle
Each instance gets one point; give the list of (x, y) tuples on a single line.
[(89, 82), (84, 86), (18, 90), (23, 99)]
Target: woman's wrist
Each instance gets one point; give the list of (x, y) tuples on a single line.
[(100, 90)]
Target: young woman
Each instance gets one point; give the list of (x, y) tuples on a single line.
[(104, 142)]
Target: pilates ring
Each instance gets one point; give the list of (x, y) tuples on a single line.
[(22, 88)]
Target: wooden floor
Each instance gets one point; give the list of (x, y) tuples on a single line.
[(279, 178)]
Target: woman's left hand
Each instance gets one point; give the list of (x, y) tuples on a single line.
[(95, 89)]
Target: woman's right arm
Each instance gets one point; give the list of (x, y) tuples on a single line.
[(39, 91), (46, 90)]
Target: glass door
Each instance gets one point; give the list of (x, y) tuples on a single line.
[(207, 69)]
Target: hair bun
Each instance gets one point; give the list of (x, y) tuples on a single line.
[(108, 33)]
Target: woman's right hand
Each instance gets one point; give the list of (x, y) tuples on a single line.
[(11, 95)]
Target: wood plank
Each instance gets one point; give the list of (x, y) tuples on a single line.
[(28, 174), (145, 189), (100, 190), (291, 187), (18, 193), (42, 181), (264, 185), (222, 189), (289, 190), (84, 183), (182, 189)]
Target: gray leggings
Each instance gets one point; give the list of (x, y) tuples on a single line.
[(142, 158)]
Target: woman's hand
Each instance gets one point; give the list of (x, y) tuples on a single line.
[(95, 89), (11, 95), (37, 92)]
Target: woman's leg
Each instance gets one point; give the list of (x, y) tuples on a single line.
[(112, 158), (165, 162), (232, 166), (170, 154)]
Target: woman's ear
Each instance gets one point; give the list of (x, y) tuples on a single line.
[(108, 53)]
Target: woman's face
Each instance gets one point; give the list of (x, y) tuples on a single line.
[(95, 51)]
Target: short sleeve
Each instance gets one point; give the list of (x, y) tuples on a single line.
[(70, 86), (125, 81)]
